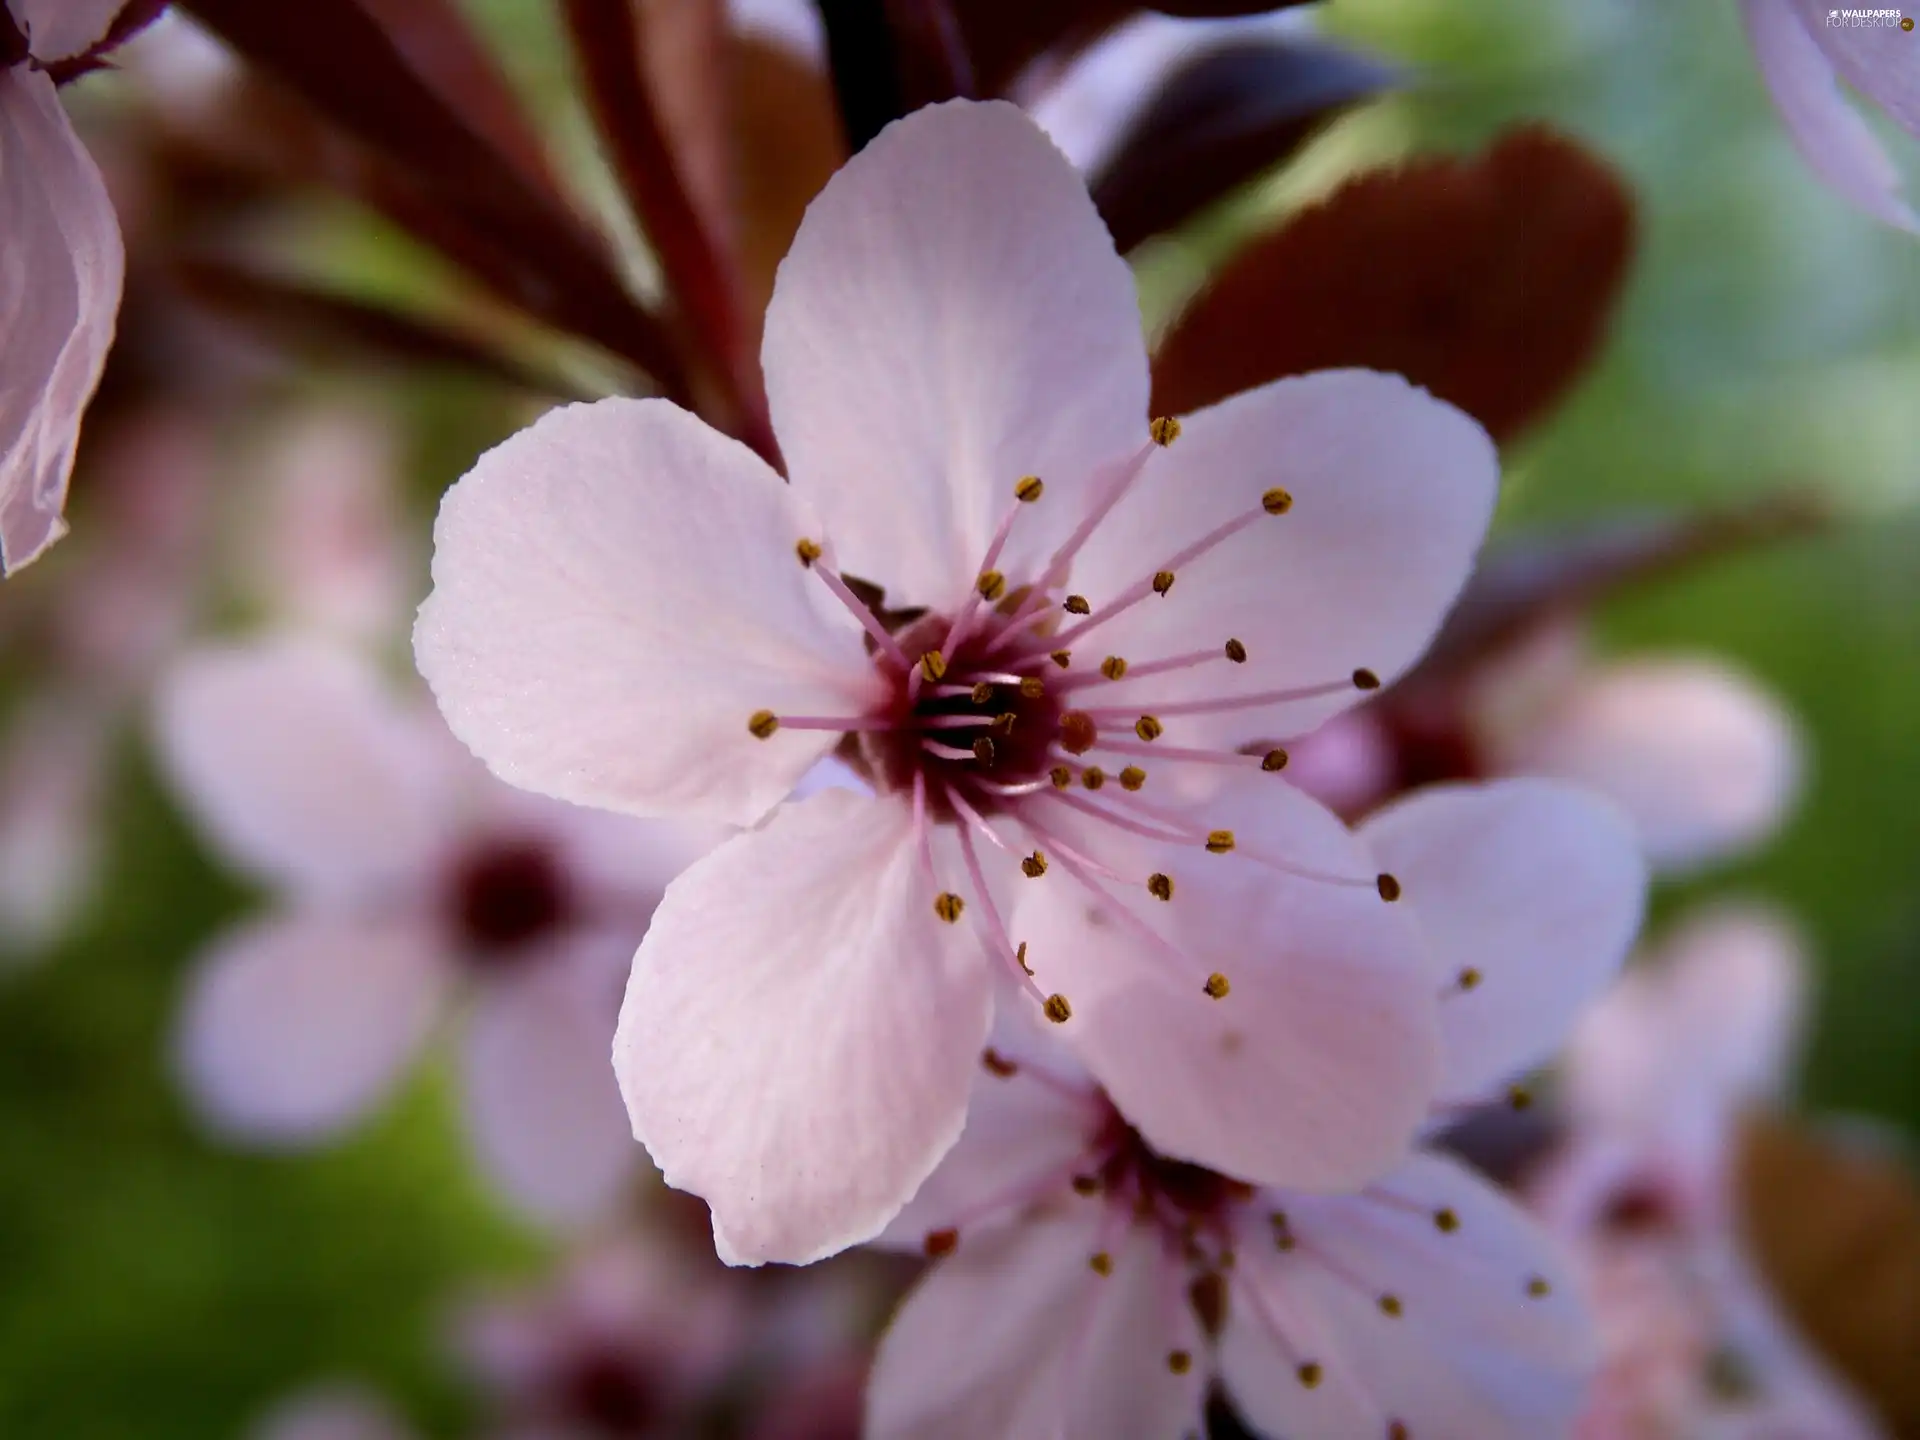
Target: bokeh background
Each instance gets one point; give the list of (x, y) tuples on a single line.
[(155, 1284)]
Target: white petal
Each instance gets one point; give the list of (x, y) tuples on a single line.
[(1703, 761), (292, 1027), (541, 1098), (1490, 1341), (300, 766), (62, 29), (1391, 493), (1315, 1067), (1536, 889), (951, 317), (800, 1031), (615, 595), (1829, 133), (1018, 1336), (61, 267)]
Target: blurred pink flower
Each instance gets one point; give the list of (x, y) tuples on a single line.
[(411, 880), (634, 612), (1095, 1283), (61, 266), (1805, 48), (1656, 1078), (339, 1410)]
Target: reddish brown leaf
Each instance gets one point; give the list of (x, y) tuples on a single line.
[(1835, 1228), (685, 56), (1490, 281)]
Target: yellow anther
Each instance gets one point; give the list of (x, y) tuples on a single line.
[(1077, 605), (1148, 728), (1086, 1185), (1160, 885), (1101, 1263), (1236, 652), (1388, 887), (1309, 1374), (1032, 687), (1020, 958), (1365, 679), (1390, 1306), (762, 724), (1132, 778), (991, 585), (1061, 776), (808, 551), (1276, 501), (948, 906), (1179, 1361), (1093, 777), (1114, 667), (1283, 1240), (1057, 1009), (1445, 1220), (1062, 658), (982, 693), (1468, 978), (1027, 489), (933, 666), (1219, 842), (1165, 430), (1162, 581), (940, 1242), (983, 751), (1002, 724), (1077, 732), (1217, 986), (1034, 866), (998, 1064), (1538, 1288), (1274, 759), (1518, 1098)]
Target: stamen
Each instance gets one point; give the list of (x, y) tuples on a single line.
[(1062, 658), (1077, 732), (808, 551), (1025, 492), (1249, 702), (1034, 865), (1093, 777), (991, 585), (868, 620), (941, 1242), (1132, 778), (1114, 667), (1160, 885), (1028, 490), (1217, 986), (1236, 652), (1164, 430), (1276, 501), (1057, 1009), (1202, 757), (1077, 605), (948, 906), (1141, 672), (1162, 581), (818, 722), (1148, 727), (762, 724), (933, 665)]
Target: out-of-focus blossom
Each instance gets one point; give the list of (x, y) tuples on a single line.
[(411, 882), (1805, 48), (61, 267), (1656, 1079), (633, 612), (1094, 1284), (342, 1410), (1705, 761)]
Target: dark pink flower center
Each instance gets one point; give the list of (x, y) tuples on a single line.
[(506, 894)]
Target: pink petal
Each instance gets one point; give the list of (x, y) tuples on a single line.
[(299, 766), (53, 773), (1316, 1066), (1019, 1336), (616, 593), (61, 266), (1703, 761), (1391, 493), (542, 1102), (1489, 1342), (800, 1031), (1881, 62), (1797, 61), (952, 317), (62, 29), (292, 1027), (1534, 889)]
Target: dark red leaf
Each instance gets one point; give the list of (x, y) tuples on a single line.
[(866, 71), (1490, 281), (13, 41), (1003, 37), (1223, 118)]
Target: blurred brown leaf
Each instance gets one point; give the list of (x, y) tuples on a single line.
[(1490, 281), (685, 56), (1835, 1228), (1224, 117)]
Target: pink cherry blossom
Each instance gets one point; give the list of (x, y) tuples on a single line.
[(333, 1410), (1095, 1284), (411, 883), (61, 266), (634, 612), (1805, 48)]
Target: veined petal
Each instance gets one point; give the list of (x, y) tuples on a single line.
[(1436, 1301), (1387, 496), (1020, 1336), (1703, 760), (952, 317), (801, 1030), (1529, 894), (1317, 1063), (1797, 56), (292, 1027), (299, 766), (61, 267), (616, 594)]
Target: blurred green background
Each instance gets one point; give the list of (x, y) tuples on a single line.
[(155, 1286)]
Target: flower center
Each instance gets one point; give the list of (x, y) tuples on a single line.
[(609, 1394), (506, 894)]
